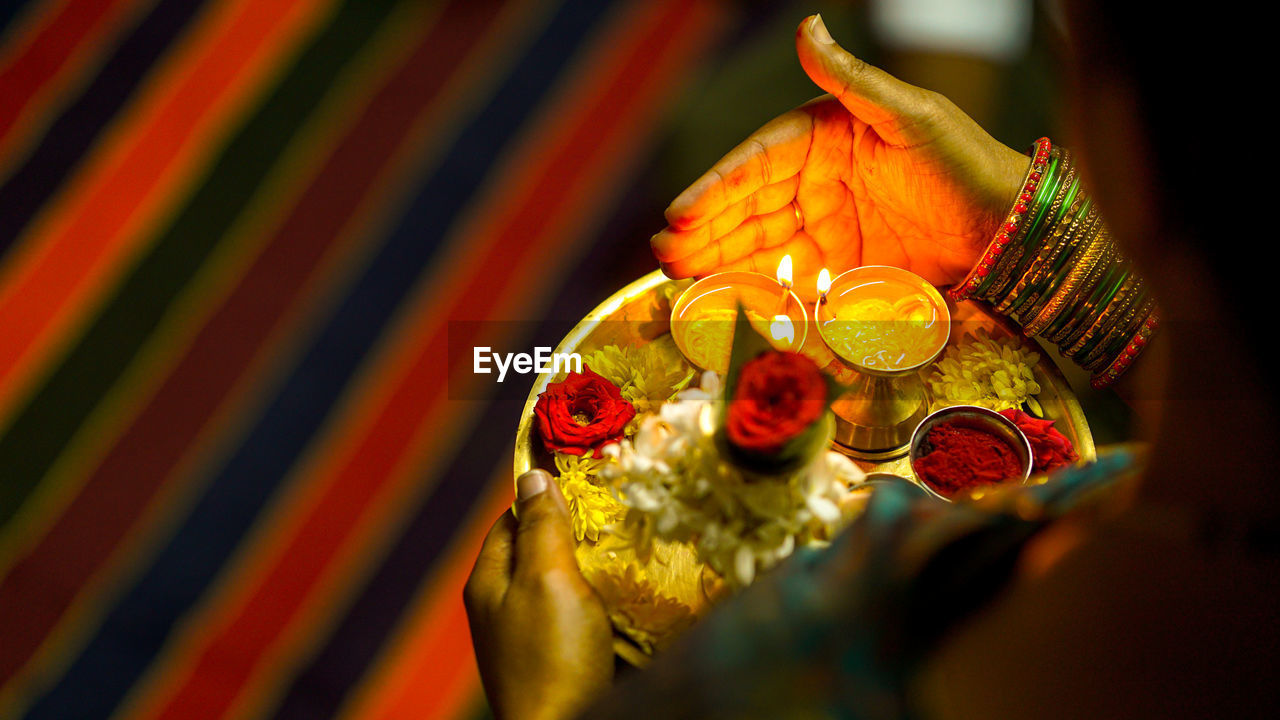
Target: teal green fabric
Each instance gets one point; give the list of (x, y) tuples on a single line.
[(839, 632)]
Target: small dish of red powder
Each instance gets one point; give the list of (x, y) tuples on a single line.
[(960, 448)]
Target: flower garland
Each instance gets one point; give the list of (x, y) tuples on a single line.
[(678, 485)]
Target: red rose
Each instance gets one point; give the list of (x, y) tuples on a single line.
[(779, 395), (1050, 448), (582, 414)]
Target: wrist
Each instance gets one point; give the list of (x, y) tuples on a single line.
[(1011, 167), (1053, 267)]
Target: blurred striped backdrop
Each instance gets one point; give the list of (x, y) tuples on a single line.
[(234, 482)]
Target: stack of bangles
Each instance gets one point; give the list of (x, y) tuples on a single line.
[(1054, 268)]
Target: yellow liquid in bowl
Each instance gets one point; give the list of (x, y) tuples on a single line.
[(884, 325), (707, 340)]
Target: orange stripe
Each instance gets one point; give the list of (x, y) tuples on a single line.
[(58, 48), (397, 417), (429, 671), (415, 677), (78, 246), (329, 521)]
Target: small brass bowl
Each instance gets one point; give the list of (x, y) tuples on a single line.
[(979, 418), (885, 401), (723, 292), (867, 282)]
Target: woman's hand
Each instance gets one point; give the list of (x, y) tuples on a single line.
[(543, 641), (879, 172)]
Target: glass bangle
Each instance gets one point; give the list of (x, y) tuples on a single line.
[(1055, 270), (1076, 342), (1111, 272), (1114, 323), (1087, 273), (1045, 267), (1048, 243), (997, 282), (1039, 156), (1066, 283), (1130, 352), (1125, 329)]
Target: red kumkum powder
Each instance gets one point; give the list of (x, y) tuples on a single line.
[(963, 458)]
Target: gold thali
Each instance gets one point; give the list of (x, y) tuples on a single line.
[(675, 584)]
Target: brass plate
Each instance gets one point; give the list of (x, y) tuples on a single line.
[(641, 311)]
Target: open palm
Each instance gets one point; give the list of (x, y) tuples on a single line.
[(878, 173)]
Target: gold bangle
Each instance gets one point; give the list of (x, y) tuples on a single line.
[(1105, 313), (1132, 350), (1095, 255), (1114, 273), (1125, 329), (1047, 246), (1126, 302), (1082, 294), (1066, 237), (1014, 252)]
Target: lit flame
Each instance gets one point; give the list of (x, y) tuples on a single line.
[(784, 271), (782, 329), (824, 282)]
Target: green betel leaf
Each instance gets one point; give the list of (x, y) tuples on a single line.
[(747, 346)]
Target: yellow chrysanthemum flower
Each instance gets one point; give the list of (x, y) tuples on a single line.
[(591, 506), (639, 610), (992, 373), (648, 375)]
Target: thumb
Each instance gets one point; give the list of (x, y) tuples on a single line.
[(544, 535), (871, 94)]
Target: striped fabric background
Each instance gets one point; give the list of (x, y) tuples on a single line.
[(239, 477), (234, 482)]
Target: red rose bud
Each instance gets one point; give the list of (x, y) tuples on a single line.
[(778, 396), (582, 414), (1049, 448)]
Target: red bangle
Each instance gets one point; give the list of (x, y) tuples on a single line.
[(1011, 225), (1126, 356)]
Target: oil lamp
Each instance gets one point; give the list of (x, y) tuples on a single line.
[(702, 318), (884, 324)]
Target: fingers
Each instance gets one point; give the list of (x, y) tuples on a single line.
[(806, 257), (772, 154), (756, 233), (672, 244), (491, 574), (544, 535), (871, 94)]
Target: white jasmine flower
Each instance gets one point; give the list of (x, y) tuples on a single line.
[(675, 483)]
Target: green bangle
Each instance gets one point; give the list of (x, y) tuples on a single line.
[(1086, 286), (1066, 284), (1098, 333), (1132, 330), (1074, 344), (1041, 248), (996, 283), (1092, 291), (1118, 336), (1058, 264), (1046, 267)]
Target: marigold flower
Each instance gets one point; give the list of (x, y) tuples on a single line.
[(981, 370)]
